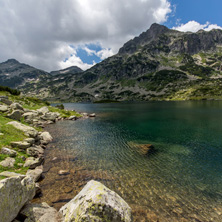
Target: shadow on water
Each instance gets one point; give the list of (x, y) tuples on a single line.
[(178, 178)]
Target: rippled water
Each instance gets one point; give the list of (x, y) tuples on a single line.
[(182, 181)]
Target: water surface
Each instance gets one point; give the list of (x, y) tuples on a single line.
[(182, 181)]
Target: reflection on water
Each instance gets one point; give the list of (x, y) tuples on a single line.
[(181, 181)]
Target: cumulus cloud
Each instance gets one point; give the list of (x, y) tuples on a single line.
[(193, 26), (40, 32)]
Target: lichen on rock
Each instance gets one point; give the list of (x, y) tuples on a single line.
[(14, 193), (96, 202)]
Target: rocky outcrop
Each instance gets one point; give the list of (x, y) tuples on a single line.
[(39, 213), (95, 202), (14, 193), (29, 131)]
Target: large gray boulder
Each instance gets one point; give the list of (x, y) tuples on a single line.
[(28, 131), (14, 193), (95, 202), (39, 213)]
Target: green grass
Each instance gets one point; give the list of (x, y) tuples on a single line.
[(13, 134), (10, 132)]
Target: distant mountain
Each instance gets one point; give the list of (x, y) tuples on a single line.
[(159, 64), (15, 74), (71, 70)]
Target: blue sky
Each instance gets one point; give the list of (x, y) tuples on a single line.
[(201, 11), (53, 35)]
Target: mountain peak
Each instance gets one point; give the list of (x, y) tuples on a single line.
[(156, 26), (152, 33), (71, 69), (12, 61)]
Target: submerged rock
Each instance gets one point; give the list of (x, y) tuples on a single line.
[(14, 193), (63, 172), (95, 202), (146, 148), (29, 131)]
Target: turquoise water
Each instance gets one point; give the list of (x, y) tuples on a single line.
[(181, 181)]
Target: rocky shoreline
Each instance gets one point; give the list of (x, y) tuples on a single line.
[(94, 203)]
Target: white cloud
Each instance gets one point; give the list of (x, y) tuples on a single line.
[(104, 53), (39, 32), (193, 26), (75, 61)]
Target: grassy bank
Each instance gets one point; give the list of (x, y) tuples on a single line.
[(11, 134)]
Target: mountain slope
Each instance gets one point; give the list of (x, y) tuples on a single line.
[(160, 64), (14, 74), (71, 70)]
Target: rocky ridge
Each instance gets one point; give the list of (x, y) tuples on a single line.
[(160, 64)]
